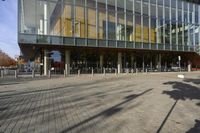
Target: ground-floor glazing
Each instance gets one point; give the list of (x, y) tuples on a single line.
[(86, 60)]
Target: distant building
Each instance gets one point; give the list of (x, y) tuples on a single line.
[(112, 34)]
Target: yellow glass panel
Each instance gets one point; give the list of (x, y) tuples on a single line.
[(138, 33), (81, 20), (91, 23), (129, 30), (102, 19), (67, 21), (68, 27), (57, 27), (153, 35), (145, 34)]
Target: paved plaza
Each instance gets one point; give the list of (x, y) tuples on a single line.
[(142, 103)]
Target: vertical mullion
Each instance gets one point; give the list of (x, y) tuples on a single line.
[(142, 23), (19, 18), (62, 20), (193, 23), (61, 17), (176, 8), (106, 22), (157, 36), (188, 24), (199, 23), (149, 10), (183, 25), (97, 22), (34, 16), (86, 21), (163, 6), (125, 23), (116, 23), (170, 21), (134, 22), (73, 20)]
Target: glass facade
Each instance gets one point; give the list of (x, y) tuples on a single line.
[(146, 24)]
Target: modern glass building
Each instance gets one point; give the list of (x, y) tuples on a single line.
[(111, 34)]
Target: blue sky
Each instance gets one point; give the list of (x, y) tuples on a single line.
[(8, 27)]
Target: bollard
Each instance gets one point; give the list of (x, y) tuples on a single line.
[(79, 73), (33, 73), (92, 72), (104, 71), (65, 74), (127, 71), (16, 76), (115, 71), (49, 74), (132, 71), (2, 74), (136, 71)]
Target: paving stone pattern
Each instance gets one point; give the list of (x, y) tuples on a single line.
[(112, 104)]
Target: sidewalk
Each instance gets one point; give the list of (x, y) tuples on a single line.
[(143, 103)]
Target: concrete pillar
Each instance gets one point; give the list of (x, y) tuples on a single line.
[(46, 62), (189, 66), (67, 62), (101, 61), (119, 63)]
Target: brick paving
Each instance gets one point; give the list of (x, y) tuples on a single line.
[(123, 104)]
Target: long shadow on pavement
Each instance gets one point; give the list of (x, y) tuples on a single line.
[(196, 128), (60, 88), (108, 112), (181, 91), (195, 81)]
